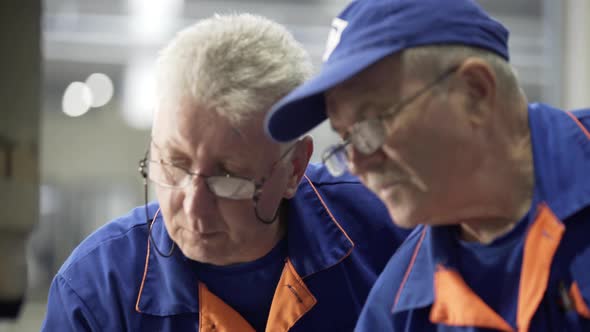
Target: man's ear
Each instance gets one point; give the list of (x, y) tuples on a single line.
[(299, 159), (480, 82)]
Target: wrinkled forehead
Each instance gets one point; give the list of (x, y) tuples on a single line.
[(178, 119), (190, 126), (377, 85)]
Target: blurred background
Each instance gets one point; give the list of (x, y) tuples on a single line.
[(97, 95)]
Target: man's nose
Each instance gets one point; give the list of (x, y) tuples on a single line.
[(359, 163), (198, 198)]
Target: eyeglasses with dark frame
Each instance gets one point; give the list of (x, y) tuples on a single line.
[(367, 136), (174, 177)]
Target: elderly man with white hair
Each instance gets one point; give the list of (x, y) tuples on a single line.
[(245, 235)]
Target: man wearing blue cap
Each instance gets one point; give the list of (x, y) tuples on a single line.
[(433, 121)]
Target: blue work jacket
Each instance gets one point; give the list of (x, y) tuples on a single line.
[(421, 289), (339, 238)]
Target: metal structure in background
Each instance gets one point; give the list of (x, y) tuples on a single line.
[(88, 33), (20, 106)]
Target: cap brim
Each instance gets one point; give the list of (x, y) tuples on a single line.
[(304, 108)]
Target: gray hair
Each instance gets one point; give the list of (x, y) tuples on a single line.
[(236, 65), (426, 62)]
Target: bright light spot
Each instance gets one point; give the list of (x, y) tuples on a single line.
[(49, 200), (77, 99), (101, 87), (139, 93), (154, 20)]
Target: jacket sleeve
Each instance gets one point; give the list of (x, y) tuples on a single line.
[(66, 311)]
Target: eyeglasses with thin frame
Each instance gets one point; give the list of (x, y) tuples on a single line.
[(175, 177), (169, 175), (367, 136)]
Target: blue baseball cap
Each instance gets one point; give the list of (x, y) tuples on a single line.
[(369, 30)]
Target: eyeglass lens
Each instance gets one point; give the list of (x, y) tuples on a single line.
[(171, 176)]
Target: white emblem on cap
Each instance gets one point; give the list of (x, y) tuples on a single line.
[(338, 25)]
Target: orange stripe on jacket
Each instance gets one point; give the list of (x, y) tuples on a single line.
[(409, 269), (456, 304), (579, 124), (216, 315), (328, 209), (580, 305), (147, 259), (335, 222), (292, 300), (540, 246)]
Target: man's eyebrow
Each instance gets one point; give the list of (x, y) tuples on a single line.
[(366, 107), (359, 115), (166, 148), (159, 147)]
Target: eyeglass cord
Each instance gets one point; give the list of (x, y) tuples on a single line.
[(262, 220), (150, 224)]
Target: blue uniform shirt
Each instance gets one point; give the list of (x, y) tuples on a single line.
[(339, 238), (254, 281), (545, 284), (499, 258)]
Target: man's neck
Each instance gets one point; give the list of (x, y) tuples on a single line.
[(485, 231), (519, 192), (512, 188)]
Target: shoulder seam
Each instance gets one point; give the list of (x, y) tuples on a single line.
[(108, 239), (409, 268), (89, 312), (582, 126)]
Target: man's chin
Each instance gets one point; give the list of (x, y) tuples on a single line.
[(401, 216), (404, 225), (205, 254)]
